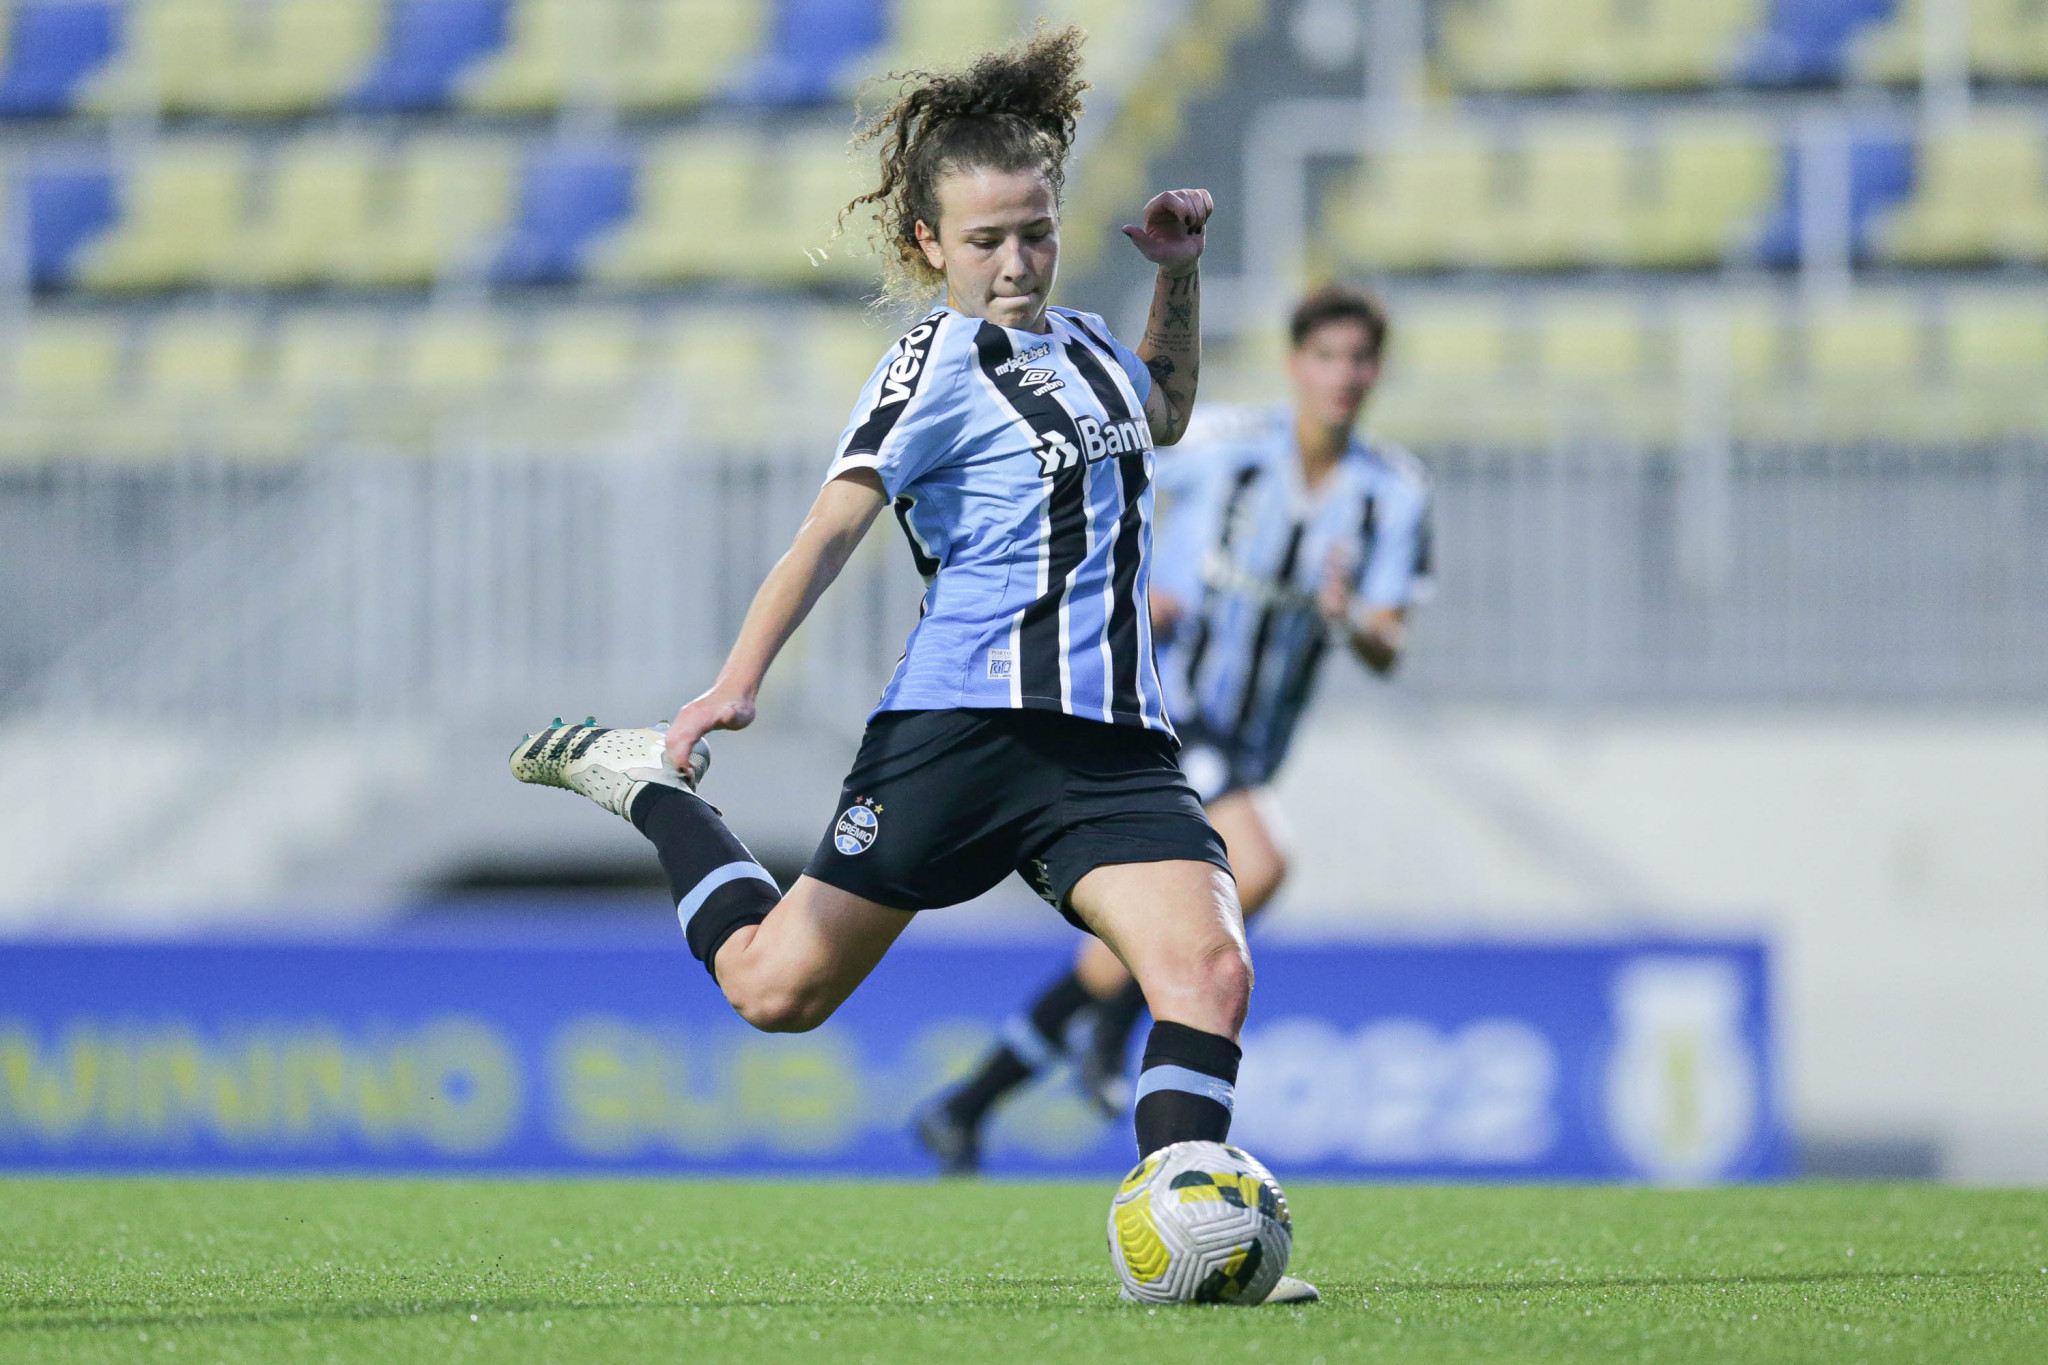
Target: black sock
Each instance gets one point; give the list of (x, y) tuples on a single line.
[(1114, 1020), (717, 885), (1030, 1041), (1187, 1087)]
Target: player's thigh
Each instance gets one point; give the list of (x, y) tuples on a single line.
[(791, 971), (1177, 927), (1253, 834)]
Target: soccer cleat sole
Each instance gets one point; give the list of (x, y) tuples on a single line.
[(1289, 1290)]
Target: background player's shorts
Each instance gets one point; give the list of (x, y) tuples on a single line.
[(1215, 767), (942, 805)]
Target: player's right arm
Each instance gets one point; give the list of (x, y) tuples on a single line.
[(832, 530)]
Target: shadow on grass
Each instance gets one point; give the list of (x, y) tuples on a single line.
[(51, 1315)]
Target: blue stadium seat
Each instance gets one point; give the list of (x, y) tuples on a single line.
[(1807, 41), (427, 45), (814, 43), (566, 200), (1880, 175), (65, 208), (53, 44)]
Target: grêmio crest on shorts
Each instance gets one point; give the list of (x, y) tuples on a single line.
[(1020, 467)]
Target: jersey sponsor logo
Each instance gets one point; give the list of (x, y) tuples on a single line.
[(1099, 441), (1042, 382), (898, 379), (1025, 358), (857, 827), (1000, 662)]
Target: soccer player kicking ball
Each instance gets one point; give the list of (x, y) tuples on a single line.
[(1281, 531), (1025, 728)]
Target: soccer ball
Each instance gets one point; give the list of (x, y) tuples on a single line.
[(1199, 1222)]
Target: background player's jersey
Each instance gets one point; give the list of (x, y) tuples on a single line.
[(1243, 549), (1020, 466)]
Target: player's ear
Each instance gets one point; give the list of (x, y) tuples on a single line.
[(928, 243)]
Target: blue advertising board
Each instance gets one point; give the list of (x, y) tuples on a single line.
[(1648, 1060)]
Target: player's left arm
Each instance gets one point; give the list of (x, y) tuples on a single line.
[(1171, 236), (1370, 606)]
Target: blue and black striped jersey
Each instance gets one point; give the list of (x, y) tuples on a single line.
[(1244, 548), (1020, 466)]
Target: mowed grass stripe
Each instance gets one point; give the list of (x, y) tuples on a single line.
[(393, 1272)]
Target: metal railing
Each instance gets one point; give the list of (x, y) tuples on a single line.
[(505, 589)]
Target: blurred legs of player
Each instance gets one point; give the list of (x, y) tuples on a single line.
[(1098, 990)]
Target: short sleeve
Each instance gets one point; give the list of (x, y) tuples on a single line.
[(1398, 568), (911, 411), (1097, 330)]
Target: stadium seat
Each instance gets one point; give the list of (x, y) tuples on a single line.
[(306, 55), (1998, 334), (1529, 44), (694, 213), (198, 358), (315, 216), (322, 354), (1590, 341), (811, 49), (1880, 174), (2008, 40), (678, 53), (1422, 202), (1806, 41), (1981, 194), (428, 44), (65, 207), (1715, 180), (568, 197), (230, 56), (816, 178), (840, 348), (180, 213), (1866, 339), (51, 47), (66, 361), (717, 366), (559, 52), (175, 55), (586, 351), (928, 34), (453, 354), (1677, 43), (449, 199), (1575, 197)]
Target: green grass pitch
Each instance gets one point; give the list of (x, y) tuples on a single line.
[(393, 1272)]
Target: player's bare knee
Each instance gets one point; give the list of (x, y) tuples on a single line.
[(775, 1007), (1225, 978)]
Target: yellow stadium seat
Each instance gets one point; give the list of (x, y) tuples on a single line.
[(816, 179), (1981, 194), (181, 210), (449, 199), (1715, 179), (305, 55), (1676, 43), (676, 53), (1574, 206), (1527, 44), (66, 360), (840, 348), (174, 55), (453, 354), (717, 365), (560, 52), (323, 354), (1424, 201), (1590, 341), (1462, 340), (2009, 39), (1999, 335), (695, 217), (198, 358), (928, 34), (316, 215), (1864, 339), (237, 56), (586, 351)]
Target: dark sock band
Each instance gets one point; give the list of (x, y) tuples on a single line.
[(1031, 1041), (717, 885), (1187, 1087)]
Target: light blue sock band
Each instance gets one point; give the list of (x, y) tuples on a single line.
[(717, 877), (1194, 1082)]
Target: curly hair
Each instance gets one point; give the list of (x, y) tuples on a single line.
[(1011, 110)]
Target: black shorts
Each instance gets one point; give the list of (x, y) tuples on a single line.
[(942, 805)]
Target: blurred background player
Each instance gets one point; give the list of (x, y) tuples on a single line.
[(1282, 531)]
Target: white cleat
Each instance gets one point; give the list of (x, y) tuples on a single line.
[(611, 767), (1290, 1290)]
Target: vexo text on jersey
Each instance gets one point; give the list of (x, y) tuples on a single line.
[(909, 359)]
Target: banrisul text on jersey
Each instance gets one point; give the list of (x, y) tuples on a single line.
[(1020, 465)]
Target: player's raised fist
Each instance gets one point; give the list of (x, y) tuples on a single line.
[(1171, 235)]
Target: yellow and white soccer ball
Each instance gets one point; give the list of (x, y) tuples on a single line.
[(1199, 1222)]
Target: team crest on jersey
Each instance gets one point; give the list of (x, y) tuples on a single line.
[(858, 825)]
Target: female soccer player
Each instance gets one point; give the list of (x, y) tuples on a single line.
[(1281, 532), (1025, 728)]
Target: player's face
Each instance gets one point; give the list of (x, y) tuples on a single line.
[(998, 243), (1334, 369)]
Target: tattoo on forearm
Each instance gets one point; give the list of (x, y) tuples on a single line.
[(1161, 367), (1173, 349)]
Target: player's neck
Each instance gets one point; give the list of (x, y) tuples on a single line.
[(1319, 446)]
